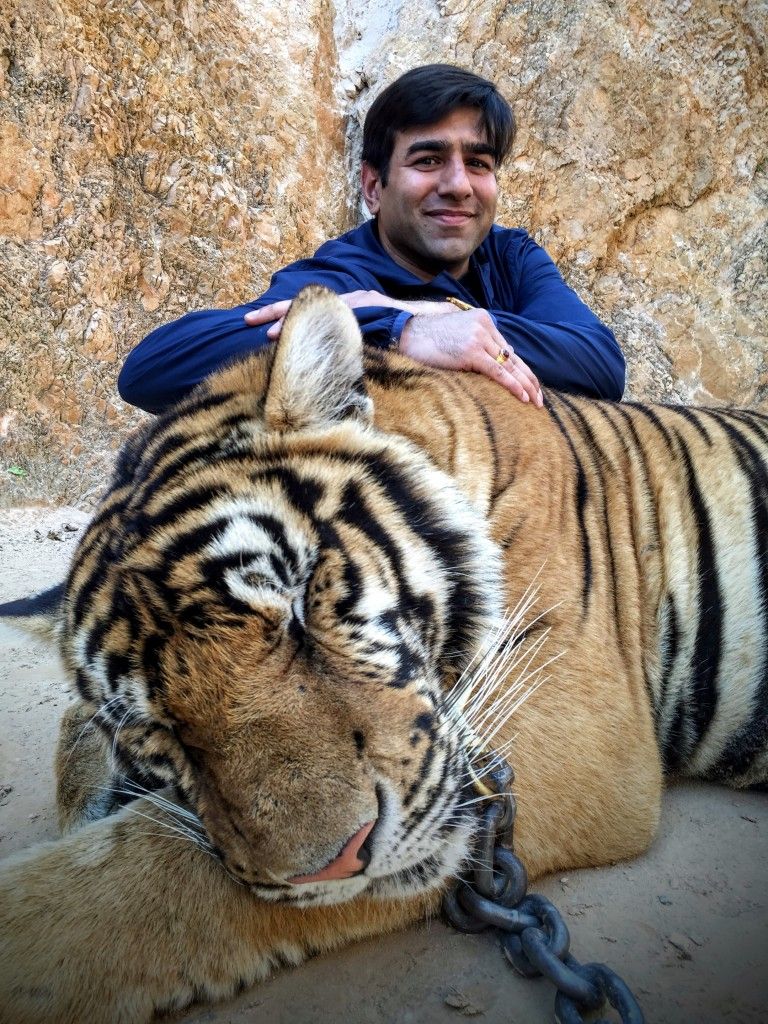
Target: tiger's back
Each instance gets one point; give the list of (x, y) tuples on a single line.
[(650, 527)]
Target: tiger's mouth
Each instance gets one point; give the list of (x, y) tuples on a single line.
[(352, 860), (377, 861), (355, 855)]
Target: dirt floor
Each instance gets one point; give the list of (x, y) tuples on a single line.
[(686, 925)]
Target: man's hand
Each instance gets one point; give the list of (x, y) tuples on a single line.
[(276, 311), (469, 340), (438, 334)]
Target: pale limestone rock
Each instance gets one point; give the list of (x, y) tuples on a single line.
[(162, 157), (641, 164)]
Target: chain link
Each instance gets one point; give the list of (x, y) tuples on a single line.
[(535, 939)]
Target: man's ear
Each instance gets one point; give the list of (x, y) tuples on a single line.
[(370, 183)]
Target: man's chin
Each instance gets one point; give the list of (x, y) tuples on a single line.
[(452, 258)]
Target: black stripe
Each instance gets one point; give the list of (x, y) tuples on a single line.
[(640, 451), (378, 370), (675, 749), (705, 661), (131, 453), (150, 655), (82, 684), (355, 511), (410, 665), (118, 664), (139, 458), (192, 542), (581, 496), (750, 740), (497, 488), (97, 534), (180, 451), (669, 645), (429, 799), (202, 399), (191, 500), (88, 591), (303, 492), (598, 459), (691, 415), (746, 417), (448, 545), (158, 476), (351, 578), (413, 789), (95, 640), (278, 568), (652, 417)]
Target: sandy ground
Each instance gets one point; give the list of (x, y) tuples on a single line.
[(686, 925)]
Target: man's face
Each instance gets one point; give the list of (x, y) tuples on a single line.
[(440, 198)]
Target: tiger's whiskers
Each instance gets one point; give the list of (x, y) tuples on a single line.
[(99, 711), (502, 675), (175, 819)]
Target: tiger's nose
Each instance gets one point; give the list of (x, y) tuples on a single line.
[(351, 861)]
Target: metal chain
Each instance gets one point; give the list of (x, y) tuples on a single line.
[(534, 938)]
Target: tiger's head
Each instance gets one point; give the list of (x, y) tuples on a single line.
[(266, 614)]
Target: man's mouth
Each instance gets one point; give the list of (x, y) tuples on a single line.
[(451, 218)]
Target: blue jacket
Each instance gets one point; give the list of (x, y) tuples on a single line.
[(512, 277)]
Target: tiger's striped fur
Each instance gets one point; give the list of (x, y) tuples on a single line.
[(271, 612)]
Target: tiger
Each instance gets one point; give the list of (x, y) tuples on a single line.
[(318, 591)]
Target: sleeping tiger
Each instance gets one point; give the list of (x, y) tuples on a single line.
[(285, 627)]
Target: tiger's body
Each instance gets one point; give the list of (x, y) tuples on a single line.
[(270, 612)]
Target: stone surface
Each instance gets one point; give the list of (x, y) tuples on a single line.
[(165, 156), (153, 161)]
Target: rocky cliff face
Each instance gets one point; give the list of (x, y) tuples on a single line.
[(162, 156)]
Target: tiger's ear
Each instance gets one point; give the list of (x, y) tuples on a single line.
[(317, 375)]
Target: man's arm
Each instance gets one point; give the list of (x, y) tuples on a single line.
[(557, 334), (435, 333), (552, 333), (555, 337), (170, 361)]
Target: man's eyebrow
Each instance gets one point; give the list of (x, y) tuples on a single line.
[(441, 145)]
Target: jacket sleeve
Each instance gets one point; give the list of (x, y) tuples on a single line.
[(556, 334), (170, 361)]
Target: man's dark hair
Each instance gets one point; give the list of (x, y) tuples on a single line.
[(428, 94)]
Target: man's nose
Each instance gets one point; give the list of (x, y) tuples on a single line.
[(454, 179)]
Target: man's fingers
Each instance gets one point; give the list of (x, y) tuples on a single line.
[(512, 373), (266, 314), (275, 329), (516, 370), (527, 378), (499, 372)]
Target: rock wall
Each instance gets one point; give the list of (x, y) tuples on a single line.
[(168, 155)]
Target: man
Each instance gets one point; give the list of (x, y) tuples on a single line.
[(430, 274)]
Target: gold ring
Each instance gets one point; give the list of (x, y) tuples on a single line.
[(458, 303), (503, 356)]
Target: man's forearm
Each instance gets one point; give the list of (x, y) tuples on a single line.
[(170, 361), (174, 358)]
